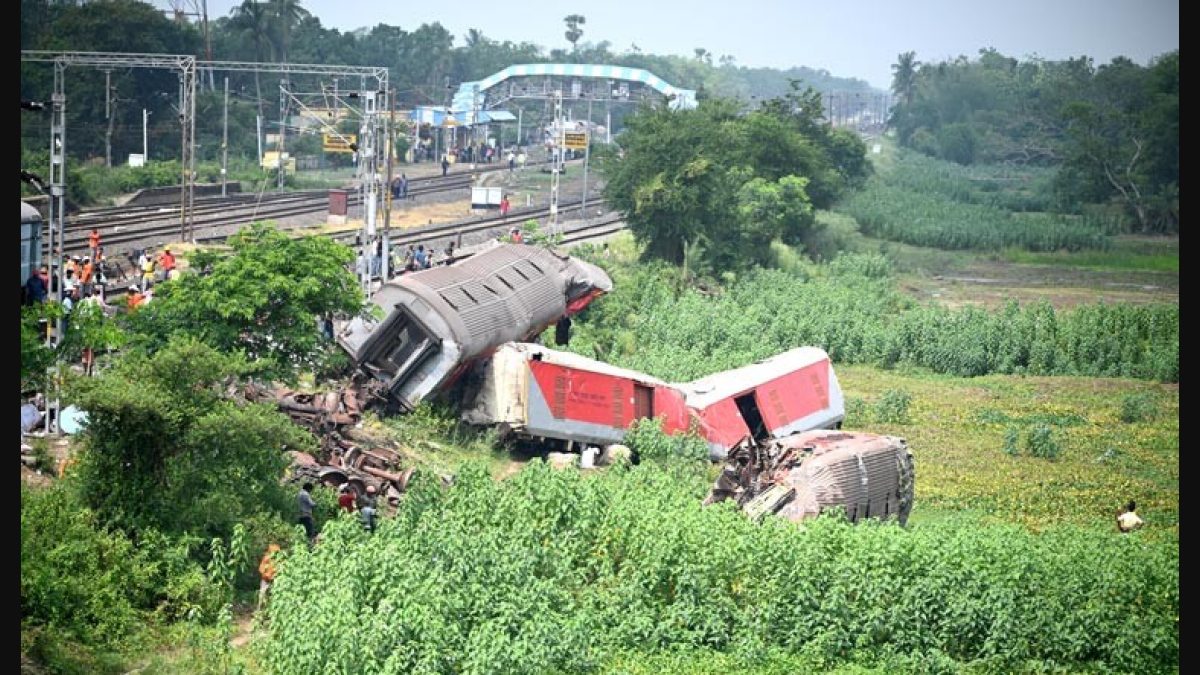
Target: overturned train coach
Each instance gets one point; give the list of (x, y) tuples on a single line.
[(437, 322), (533, 392)]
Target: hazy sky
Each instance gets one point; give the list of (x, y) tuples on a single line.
[(848, 38)]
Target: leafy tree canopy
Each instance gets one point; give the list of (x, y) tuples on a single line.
[(264, 297), (727, 183)]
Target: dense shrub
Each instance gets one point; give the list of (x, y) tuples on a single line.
[(556, 572), (646, 438), (1137, 408), (892, 407), (1040, 442), (97, 585), (848, 310)]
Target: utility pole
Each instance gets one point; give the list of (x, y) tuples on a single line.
[(145, 136), (280, 181), (108, 116), (587, 155), (387, 205), (57, 213), (259, 137), (556, 161), (225, 138)]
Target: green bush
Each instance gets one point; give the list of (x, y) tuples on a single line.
[(1138, 408), (647, 439), (892, 407), (858, 413), (1012, 436), (1040, 442), (563, 572)]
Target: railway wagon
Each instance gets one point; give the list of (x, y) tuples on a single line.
[(438, 321), (31, 240), (533, 392), (788, 393)]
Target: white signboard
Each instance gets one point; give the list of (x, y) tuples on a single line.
[(137, 159)]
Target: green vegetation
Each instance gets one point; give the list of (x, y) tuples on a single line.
[(926, 202), (1111, 131), (263, 297), (851, 309), (713, 187), (557, 572)]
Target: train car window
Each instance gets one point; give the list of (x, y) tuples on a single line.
[(490, 289)]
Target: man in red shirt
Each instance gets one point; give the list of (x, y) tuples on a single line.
[(167, 262), (346, 498)]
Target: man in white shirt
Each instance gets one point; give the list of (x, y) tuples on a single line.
[(1129, 521)]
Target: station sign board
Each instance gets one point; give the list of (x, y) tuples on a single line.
[(331, 143), (575, 141)]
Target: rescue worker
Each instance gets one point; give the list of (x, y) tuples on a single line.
[(346, 498), (94, 242), (266, 570), (504, 206), (306, 504), (167, 262)]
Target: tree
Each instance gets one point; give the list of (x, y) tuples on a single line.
[(263, 298), (165, 448), (904, 76), (253, 20), (574, 32), (285, 15), (716, 185)]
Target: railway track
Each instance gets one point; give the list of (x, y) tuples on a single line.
[(592, 230), (126, 225), (156, 222)]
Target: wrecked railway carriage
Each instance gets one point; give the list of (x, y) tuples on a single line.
[(775, 422), (533, 392), (437, 322)]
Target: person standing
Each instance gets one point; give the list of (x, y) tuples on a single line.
[(306, 503), (266, 570), (445, 166), (512, 161), (1129, 520), (403, 186), (167, 262), (35, 287), (94, 243), (346, 498)]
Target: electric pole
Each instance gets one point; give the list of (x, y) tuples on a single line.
[(387, 205), (225, 138), (556, 161)]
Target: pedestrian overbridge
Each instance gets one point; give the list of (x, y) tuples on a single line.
[(576, 82)]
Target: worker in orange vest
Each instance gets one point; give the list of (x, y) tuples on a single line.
[(134, 298), (94, 242), (266, 570)]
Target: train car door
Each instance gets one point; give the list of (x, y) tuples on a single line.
[(643, 401)]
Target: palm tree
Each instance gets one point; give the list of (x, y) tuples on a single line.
[(904, 75), (574, 32), (286, 15), (252, 20)]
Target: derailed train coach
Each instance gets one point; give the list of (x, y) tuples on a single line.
[(533, 392), (437, 322)]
